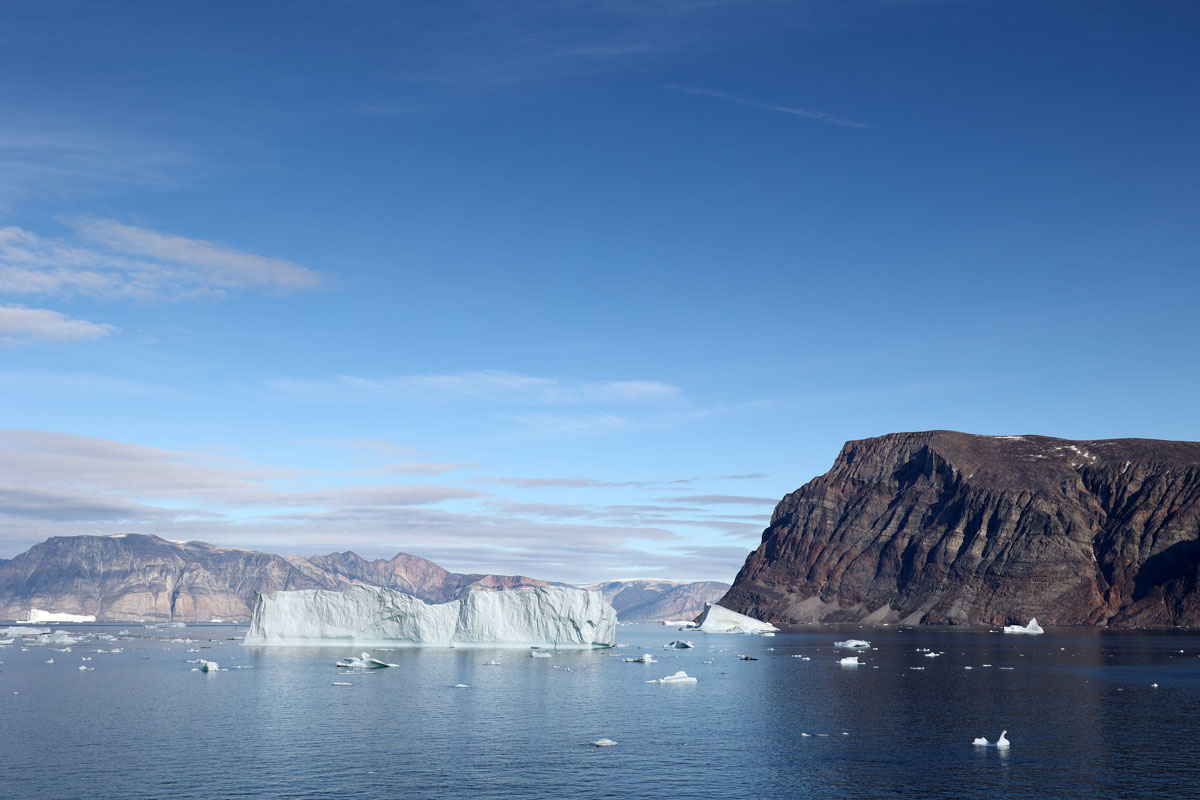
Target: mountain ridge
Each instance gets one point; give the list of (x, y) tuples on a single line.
[(953, 528)]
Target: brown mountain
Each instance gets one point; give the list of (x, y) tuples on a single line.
[(652, 600), (137, 576), (946, 527)]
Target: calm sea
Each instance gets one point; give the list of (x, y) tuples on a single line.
[(1079, 706)]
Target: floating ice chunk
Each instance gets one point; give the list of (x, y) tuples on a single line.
[(850, 661), (678, 645), (767, 633), (49, 660), (461, 686), (540, 654), (14, 631), (1032, 627), (364, 661), (718, 619), (853, 644), (342, 683), (1002, 741), (604, 742), (492, 663), (682, 624), (747, 658), (209, 666), (644, 658), (678, 677), (58, 637), (546, 616), (1154, 686), (87, 669), (980, 742), (932, 655)]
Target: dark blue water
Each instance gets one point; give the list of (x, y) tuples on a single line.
[(1079, 708)]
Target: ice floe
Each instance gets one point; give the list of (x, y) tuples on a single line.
[(853, 644), (603, 742), (644, 658), (678, 677), (678, 645), (364, 661), (850, 661)]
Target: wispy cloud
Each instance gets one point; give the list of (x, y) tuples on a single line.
[(807, 113), (63, 484), (491, 386), (112, 260), (19, 325), (722, 499)]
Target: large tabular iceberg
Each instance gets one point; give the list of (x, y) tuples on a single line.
[(545, 616), (718, 619), (36, 615)]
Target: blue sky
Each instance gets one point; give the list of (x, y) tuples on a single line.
[(574, 290)]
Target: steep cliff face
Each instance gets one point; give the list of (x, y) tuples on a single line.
[(138, 576), (655, 600), (946, 527)]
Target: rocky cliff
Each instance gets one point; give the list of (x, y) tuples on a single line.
[(650, 600), (945, 527), (136, 576)]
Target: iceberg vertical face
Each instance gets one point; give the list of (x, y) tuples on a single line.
[(718, 619), (546, 616)]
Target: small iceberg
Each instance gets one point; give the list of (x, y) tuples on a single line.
[(850, 661), (980, 742), (1032, 627), (492, 663), (87, 669), (853, 644), (718, 619), (342, 683), (37, 615), (364, 661), (603, 742), (678, 677), (540, 654), (460, 686), (1002, 741), (644, 658), (679, 645)]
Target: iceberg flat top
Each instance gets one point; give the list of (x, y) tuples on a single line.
[(37, 615), (718, 619), (544, 616)]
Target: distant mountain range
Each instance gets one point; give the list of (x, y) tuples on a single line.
[(652, 600), (145, 577), (139, 576)]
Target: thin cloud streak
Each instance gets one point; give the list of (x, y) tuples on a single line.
[(807, 113), (19, 325)]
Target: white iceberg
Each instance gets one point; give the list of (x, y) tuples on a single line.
[(718, 619), (678, 677), (209, 666), (604, 742), (364, 661), (854, 644), (1003, 740), (1032, 627), (850, 661), (545, 616), (36, 615), (58, 637), (540, 654), (980, 742), (679, 623), (644, 658), (679, 645)]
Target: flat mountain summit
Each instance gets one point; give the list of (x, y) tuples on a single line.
[(954, 528)]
